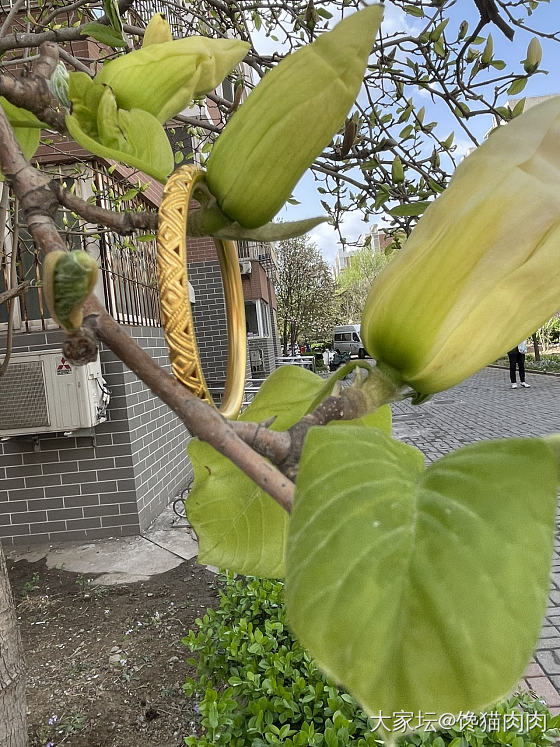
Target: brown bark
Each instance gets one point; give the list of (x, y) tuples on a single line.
[(535, 340), (13, 705)]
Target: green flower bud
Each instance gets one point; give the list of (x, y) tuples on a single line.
[(69, 278), (397, 171), (481, 270), (288, 119), (58, 85), (157, 31), (163, 78), (534, 56), (488, 51)]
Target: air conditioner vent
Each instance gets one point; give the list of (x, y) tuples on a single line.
[(41, 392), (23, 402)]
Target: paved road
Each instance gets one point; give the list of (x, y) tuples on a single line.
[(485, 407)]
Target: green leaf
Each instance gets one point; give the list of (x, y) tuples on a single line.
[(238, 525), (420, 589), (27, 128), (287, 393), (111, 8), (104, 34), (381, 419), (19, 117), (412, 10), (517, 86), (270, 231), (410, 209), (133, 137)]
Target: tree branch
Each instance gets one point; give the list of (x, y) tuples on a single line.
[(124, 223), (489, 14), (19, 290), (33, 93), (39, 204)]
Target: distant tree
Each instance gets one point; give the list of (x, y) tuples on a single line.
[(306, 293), (354, 281)]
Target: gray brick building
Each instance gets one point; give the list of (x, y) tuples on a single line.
[(115, 479)]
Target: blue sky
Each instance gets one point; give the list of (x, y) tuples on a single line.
[(546, 17)]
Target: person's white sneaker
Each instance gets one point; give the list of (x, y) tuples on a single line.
[(525, 385), (514, 386)]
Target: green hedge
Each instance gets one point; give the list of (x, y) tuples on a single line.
[(256, 686)]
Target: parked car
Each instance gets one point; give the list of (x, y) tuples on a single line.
[(347, 339)]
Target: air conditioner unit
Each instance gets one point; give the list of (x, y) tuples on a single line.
[(42, 392), (245, 266)]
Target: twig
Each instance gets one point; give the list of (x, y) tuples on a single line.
[(14, 10), (67, 34), (71, 60), (13, 292), (124, 223)]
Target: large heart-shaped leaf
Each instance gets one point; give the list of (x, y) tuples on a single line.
[(238, 525), (420, 589)]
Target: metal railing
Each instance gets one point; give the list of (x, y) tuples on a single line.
[(128, 267)]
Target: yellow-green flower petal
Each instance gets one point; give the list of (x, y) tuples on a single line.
[(164, 78), (481, 271)]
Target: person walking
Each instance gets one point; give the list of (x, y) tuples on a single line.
[(517, 360)]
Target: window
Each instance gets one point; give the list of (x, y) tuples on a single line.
[(256, 319)]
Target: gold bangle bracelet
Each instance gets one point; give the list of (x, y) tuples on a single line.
[(176, 312)]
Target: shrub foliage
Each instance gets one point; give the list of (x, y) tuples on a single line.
[(256, 686)]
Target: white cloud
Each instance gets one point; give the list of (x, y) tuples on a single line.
[(395, 20), (327, 238)]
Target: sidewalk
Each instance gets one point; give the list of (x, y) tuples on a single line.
[(485, 407)]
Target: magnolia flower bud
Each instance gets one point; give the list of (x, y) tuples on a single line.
[(69, 278), (289, 118), (534, 56), (157, 31), (481, 270), (163, 78)]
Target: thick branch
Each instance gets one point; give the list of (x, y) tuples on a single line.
[(284, 447), (489, 13), (33, 92)]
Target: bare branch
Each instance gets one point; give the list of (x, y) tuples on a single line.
[(124, 223), (33, 92), (14, 10), (19, 290)]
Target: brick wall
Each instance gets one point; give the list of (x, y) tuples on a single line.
[(74, 489), (209, 316)]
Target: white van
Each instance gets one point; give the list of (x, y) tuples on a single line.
[(347, 339)]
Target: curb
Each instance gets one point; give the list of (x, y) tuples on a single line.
[(527, 370)]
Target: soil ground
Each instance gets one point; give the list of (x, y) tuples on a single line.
[(106, 664)]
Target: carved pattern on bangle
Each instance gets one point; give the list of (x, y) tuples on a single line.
[(176, 312)]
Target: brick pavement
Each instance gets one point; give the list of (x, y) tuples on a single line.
[(486, 407)]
